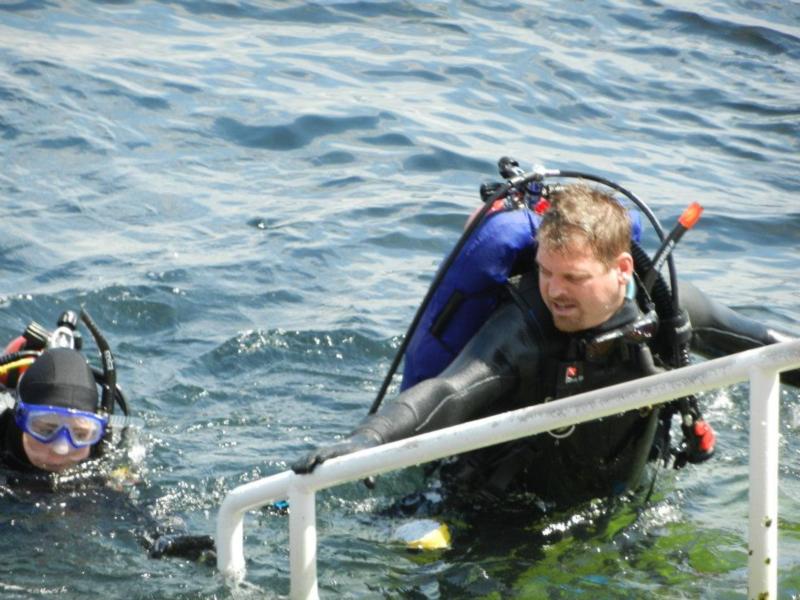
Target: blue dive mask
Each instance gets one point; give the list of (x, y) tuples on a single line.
[(48, 423)]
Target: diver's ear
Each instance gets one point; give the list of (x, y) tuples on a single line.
[(624, 264)]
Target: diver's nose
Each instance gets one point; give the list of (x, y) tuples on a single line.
[(60, 446)]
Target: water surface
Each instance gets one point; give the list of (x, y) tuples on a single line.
[(251, 198)]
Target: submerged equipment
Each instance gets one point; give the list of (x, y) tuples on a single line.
[(500, 239), (424, 534)]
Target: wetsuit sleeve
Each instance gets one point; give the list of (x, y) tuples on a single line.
[(718, 330), (479, 382)]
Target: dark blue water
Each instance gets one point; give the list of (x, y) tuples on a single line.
[(250, 199)]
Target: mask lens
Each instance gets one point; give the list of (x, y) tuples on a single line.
[(45, 423), (44, 426), (84, 431)]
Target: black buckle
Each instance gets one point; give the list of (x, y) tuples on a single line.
[(640, 331)]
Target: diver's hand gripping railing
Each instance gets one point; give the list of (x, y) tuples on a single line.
[(761, 366)]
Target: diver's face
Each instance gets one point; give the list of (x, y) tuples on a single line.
[(55, 456), (580, 290)]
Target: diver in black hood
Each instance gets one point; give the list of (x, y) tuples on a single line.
[(55, 423), (53, 419)]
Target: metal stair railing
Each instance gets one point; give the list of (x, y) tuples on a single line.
[(760, 366)]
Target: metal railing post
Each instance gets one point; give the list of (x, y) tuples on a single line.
[(230, 541), (303, 543), (763, 518), (230, 520)]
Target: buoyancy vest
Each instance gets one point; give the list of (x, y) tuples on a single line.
[(504, 244)]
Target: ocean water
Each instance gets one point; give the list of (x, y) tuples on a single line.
[(251, 197)]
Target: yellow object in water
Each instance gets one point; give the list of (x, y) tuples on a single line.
[(424, 534), (122, 477)]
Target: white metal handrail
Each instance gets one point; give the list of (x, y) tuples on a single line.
[(761, 366)]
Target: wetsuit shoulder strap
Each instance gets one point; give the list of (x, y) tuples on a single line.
[(523, 290)]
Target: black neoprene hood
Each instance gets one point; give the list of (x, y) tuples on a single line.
[(59, 377)]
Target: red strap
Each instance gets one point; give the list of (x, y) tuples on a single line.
[(15, 345), (541, 206)]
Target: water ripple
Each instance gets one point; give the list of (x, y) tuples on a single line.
[(301, 132)]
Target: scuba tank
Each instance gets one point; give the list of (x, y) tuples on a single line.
[(498, 242), (65, 334)]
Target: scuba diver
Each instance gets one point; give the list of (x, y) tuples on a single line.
[(548, 294), (56, 418), (53, 419), (54, 424)]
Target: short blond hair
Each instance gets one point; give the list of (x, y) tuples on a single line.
[(597, 217)]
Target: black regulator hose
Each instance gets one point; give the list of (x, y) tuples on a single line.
[(107, 359), (119, 396), (659, 293), (18, 355), (674, 347)]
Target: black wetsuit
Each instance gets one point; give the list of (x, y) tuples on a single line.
[(519, 359)]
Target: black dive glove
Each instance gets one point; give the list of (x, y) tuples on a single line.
[(698, 445), (193, 547), (791, 378), (353, 443)]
